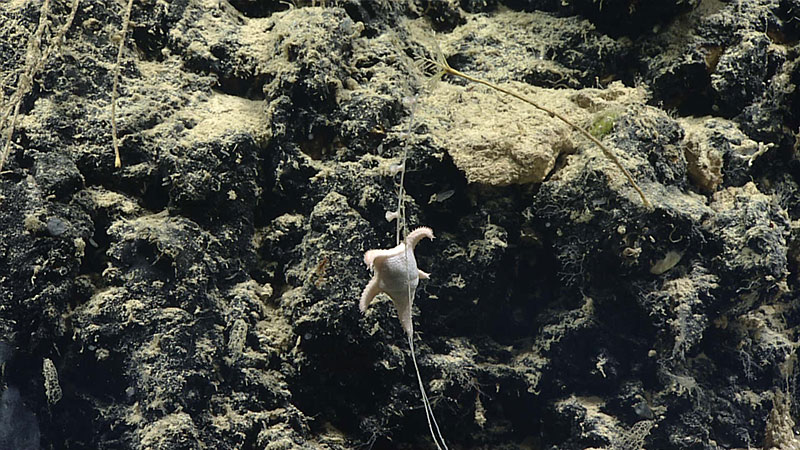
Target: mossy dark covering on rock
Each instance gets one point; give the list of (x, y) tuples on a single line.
[(204, 295)]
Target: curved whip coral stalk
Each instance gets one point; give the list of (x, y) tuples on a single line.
[(442, 68)]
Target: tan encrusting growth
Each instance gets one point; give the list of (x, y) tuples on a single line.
[(553, 142)]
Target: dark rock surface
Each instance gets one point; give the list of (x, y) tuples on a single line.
[(204, 294)]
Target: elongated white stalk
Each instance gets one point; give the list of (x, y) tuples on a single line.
[(402, 230), (426, 403)]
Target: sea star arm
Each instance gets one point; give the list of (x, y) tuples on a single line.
[(415, 236), (374, 258), (370, 291)]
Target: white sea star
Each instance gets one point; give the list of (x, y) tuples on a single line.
[(396, 274)]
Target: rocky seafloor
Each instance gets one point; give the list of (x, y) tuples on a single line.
[(204, 295)]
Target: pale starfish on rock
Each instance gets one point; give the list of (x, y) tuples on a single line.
[(396, 274)]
